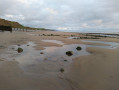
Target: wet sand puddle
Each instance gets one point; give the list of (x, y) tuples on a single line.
[(112, 45), (31, 34), (54, 41), (49, 60), (108, 35), (73, 37)]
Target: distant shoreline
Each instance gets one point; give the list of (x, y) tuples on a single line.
[(76, 31)]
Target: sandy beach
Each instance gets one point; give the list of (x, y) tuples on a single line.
[(95, 67)]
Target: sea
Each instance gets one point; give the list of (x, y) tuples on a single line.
[(92, 31)]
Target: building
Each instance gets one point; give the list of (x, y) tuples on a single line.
[(5, 28)]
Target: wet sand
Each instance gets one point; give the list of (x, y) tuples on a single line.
[(97, 71)]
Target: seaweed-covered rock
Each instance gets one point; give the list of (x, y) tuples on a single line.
[(19, 50), (69, 53), (65, 60), (41, 52), (62, 70), (78, 48)]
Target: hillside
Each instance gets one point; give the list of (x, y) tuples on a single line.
[(17, 25), (10, 23)]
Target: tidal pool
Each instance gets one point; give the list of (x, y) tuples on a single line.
[(52, 59), (54, 41), (108, 35), (73, 37), (49, 60), (112, 45), (31, 34)]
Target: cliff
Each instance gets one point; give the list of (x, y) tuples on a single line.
[(10, 23)]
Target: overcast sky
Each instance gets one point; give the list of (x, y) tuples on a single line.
[(67, 15)]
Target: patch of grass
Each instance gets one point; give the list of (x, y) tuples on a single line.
[(69, 53), (19, 50), (78, 48), (41, 29), (62, 70)]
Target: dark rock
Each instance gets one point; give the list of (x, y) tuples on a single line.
[(69, 53), (78, 48), (19, 50)]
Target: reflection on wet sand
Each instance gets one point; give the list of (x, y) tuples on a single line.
[(54, 41), (44, 61)]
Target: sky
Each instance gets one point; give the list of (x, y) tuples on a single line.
[(64, 15)]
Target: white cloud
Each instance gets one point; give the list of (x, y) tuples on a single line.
[(52, 11), (84, 25), (24, 1), (62, 14)]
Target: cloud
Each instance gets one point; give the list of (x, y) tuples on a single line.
[(63, 14)]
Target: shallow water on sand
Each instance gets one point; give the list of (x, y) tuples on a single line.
[(112, 45), (54, 41), (51, 59), (108, 35)]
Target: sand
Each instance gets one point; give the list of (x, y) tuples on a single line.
[(97, 71)]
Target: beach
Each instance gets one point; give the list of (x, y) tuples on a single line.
[(43, 64)]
